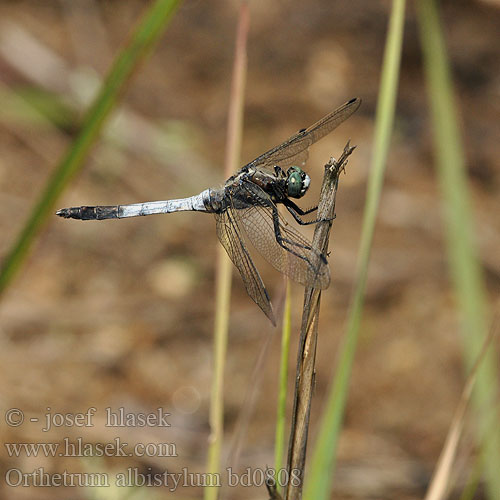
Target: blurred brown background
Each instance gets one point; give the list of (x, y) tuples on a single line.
[(120, 313)]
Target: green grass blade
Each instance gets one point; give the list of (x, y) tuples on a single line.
[(221, 326), (279, 445), (320, 476), (465, 270), (473, 481), (141, 42), (224, 266)]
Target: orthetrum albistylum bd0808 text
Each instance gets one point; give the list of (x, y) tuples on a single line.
[(245, 210)]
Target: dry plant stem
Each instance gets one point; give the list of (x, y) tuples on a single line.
[(304, 380), (224, 267), (440, 482)]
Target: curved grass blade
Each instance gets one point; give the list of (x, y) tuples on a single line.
[(320, 476), (140, 44), (465, 270)]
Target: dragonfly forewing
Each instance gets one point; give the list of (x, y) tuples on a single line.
[(294, 151)]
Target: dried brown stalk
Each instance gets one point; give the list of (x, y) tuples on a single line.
[(304, 381)]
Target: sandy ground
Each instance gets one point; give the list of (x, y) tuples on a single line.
[(119, 314)]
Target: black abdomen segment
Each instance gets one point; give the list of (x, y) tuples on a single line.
[(89, 213)]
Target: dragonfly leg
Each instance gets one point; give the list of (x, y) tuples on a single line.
[(290, 204), (284, 242), (296, 211)]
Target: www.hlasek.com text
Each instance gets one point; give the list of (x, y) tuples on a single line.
[(80, 448)]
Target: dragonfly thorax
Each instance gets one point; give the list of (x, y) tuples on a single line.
[(297, 182)]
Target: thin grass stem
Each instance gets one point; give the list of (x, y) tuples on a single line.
[(223, 265), (320, 478), (279, 446)]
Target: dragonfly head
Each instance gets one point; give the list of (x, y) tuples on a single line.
[(297, 182)]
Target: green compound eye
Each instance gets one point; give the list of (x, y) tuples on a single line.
[(297, 182), (294, 185)]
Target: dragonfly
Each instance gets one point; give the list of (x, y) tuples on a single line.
[(246, 212)]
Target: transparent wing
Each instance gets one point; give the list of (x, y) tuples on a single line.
[(229, 234), (294, 151), (259, 218)]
